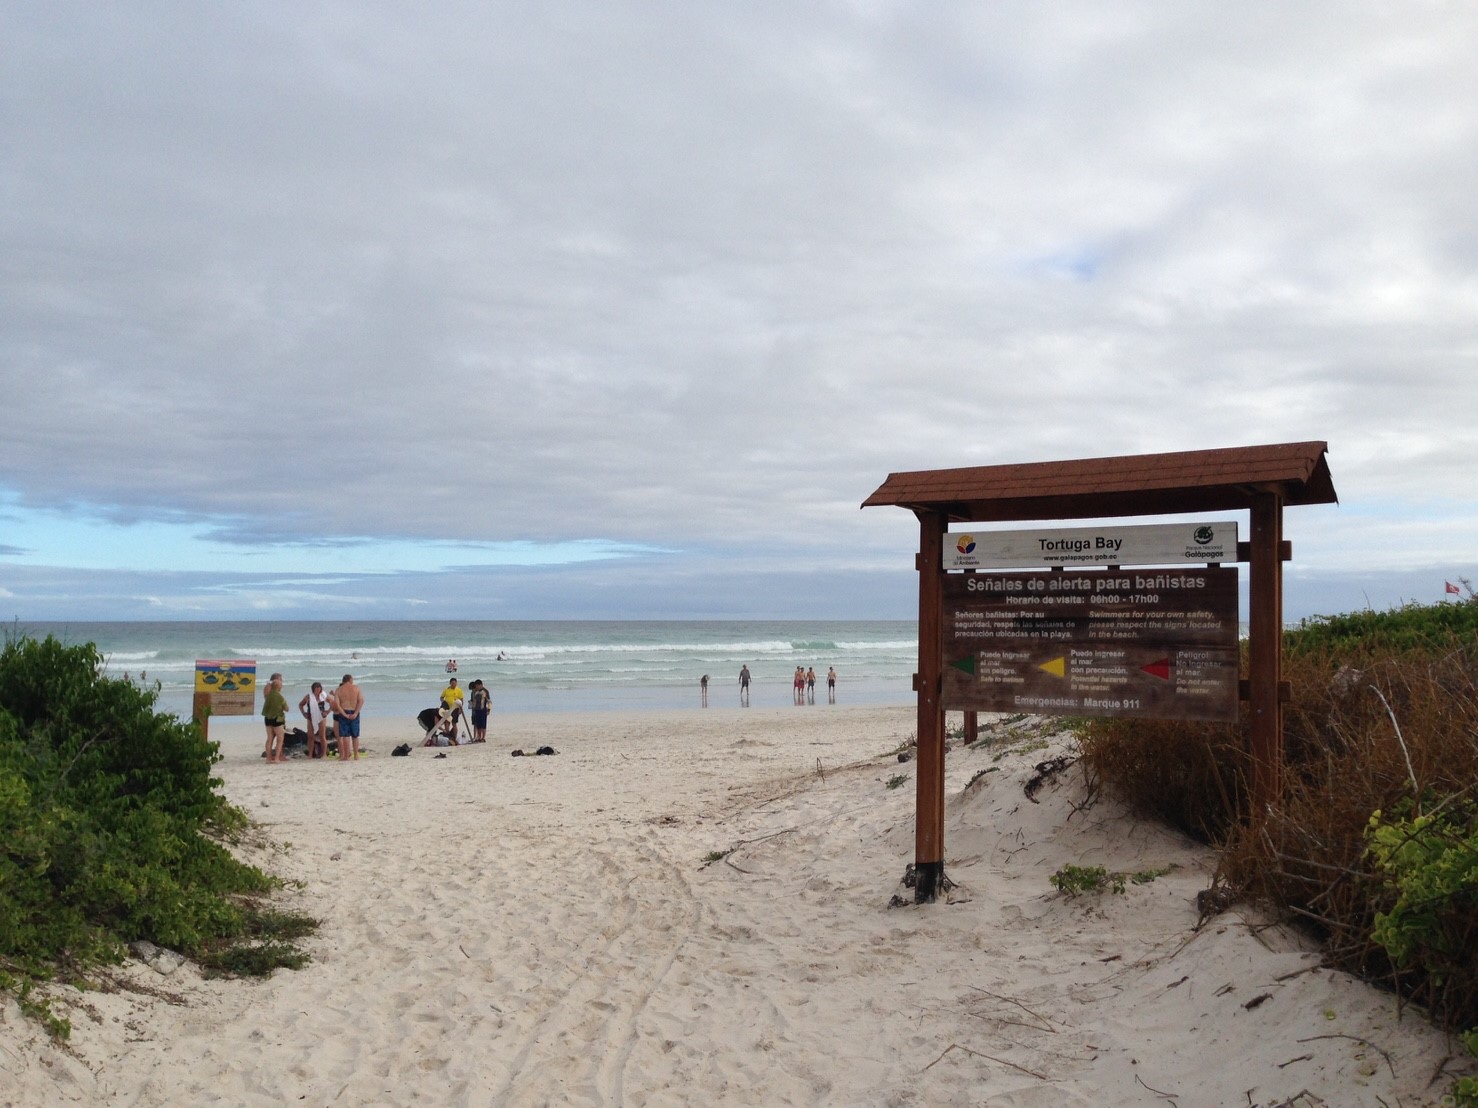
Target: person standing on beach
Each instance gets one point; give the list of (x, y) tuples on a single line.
[(451, 700), (480, 703), (703, 688), (314, 707), (831, 684), (810, 684), (744, 685), (347, 702), (274, 715)]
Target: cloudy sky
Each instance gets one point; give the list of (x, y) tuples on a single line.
[(620, 309)]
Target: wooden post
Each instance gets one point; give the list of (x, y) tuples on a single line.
[(201, 711), (929, 825), (1265, 650), (972, 727)]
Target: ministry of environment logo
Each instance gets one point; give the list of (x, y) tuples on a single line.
[(966, 544)]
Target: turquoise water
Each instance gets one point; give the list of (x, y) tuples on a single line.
[(545, 665)]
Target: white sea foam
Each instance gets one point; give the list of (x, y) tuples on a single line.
[(528, 665)]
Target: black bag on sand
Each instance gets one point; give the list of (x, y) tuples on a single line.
[(401, 751)]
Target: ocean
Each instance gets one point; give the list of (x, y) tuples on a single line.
[(535, 666)]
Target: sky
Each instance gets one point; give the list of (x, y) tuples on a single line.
[(619, 310)]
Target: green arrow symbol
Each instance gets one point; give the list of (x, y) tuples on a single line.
[(966, 665)]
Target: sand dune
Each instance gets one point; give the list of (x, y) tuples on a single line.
[(549, 930)]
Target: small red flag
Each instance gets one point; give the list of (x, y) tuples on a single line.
[(1452, 588)]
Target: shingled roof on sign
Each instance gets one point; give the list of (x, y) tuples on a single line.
[(1137, 484)]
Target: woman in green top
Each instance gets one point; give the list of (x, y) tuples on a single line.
[(274, 715)]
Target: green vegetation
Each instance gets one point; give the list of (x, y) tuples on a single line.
[(111, 831), (1030, 746), (897, 780), (1073, 880), (1430, 863), (979, 773), (1374, 843), (1465, 1091)]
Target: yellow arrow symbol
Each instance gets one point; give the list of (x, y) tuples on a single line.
[(1057, 667)]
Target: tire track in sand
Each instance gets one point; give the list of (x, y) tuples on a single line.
[(581, 1025)]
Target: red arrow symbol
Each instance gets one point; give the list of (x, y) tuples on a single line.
[(1160, 669)]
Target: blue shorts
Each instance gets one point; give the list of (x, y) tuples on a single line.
[(347, 728), (479, 717)]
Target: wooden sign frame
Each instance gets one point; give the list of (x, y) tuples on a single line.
[(1260, 480)]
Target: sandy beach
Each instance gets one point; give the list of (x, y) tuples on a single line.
[(561, 930)]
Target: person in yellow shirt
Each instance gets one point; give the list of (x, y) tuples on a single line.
[(451, 699)]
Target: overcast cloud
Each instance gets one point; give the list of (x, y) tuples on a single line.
[(539, 310)]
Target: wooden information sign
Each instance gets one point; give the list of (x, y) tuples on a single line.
[(1150, 644), (1158, 643)]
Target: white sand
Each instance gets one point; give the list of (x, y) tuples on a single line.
[(544, 930)]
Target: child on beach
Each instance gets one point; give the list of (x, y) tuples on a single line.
[(274, 715), (480, 703)]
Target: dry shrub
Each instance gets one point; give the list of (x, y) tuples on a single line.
[(1192, 775), (1399, 737), (1383, 717)]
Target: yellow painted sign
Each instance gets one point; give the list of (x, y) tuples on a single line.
[(230, 683)]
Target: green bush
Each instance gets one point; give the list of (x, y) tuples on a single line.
[(1465, 1090), (1412, 628), (1429, 864), (109, 824)]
